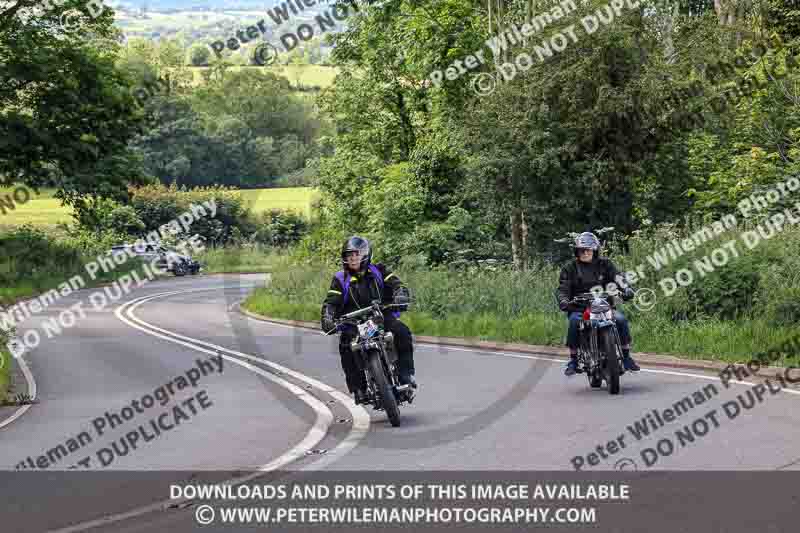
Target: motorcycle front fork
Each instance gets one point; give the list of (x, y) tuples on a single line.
[(589, 347), (372, 391)]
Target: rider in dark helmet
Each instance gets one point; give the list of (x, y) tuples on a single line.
[(580, 276), (355, 287)]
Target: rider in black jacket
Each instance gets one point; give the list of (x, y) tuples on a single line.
[(355, 287), (589, 271)]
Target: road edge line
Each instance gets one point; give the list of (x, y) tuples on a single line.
[(32, 391), (522, 350)]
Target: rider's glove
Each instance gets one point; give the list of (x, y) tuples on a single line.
[(327, 320), (627, 294), (402, 298), (563, 305)]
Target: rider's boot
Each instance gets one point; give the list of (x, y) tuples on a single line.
[(405, 372), (628, 362), (407, 378), (572, 366), (360, 396)]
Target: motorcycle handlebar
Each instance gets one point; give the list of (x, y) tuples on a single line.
[(376, 306), (589, 296)]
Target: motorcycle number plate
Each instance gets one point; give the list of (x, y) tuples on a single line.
[(367, 329)]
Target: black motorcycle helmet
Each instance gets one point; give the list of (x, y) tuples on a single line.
[(360, 245), (587, 240)]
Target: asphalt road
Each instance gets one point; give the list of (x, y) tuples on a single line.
[(279, 404)]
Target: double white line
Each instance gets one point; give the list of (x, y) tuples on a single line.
[(322, 424)]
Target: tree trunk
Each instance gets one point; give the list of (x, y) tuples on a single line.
[(729, 11), (722, 8), (524, 241), (668, 28), (516, 238), (519, 238)]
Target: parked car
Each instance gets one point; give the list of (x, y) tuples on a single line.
[(168, 260)]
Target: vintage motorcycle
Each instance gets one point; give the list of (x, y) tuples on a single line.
[(599, 346), (377, 357)]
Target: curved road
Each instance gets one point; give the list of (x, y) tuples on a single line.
[(279, 404)]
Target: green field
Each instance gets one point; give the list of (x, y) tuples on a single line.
[(296, 199), (44, 210), (306, 75)]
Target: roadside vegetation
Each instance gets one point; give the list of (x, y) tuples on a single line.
[(5, 369), (740, 309), (253, 258)]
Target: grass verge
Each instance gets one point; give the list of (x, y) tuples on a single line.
[(518, 307), (727, 341), (5, 373), (254, 258)]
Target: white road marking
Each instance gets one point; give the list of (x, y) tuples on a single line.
[(31, 391), (432, 346), (324, 419), (360, 417)]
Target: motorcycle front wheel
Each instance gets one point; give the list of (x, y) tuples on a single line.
[(609, 348), (384, 387)]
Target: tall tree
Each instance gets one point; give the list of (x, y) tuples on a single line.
[(66, 113)]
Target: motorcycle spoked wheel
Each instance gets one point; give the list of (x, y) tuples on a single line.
[(594, 373), (384, 388), (612, 370)]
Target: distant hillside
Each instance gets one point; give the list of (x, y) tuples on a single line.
[(228, 5)]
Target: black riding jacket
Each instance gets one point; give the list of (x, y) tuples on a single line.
[(577, 277), (363, 289)]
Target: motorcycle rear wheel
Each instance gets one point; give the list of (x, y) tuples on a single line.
[(384, 387), (609, 347)]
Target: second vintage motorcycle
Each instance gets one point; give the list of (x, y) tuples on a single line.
[(599, 347)]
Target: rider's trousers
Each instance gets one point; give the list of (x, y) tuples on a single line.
[(403, 343), (575, 317)]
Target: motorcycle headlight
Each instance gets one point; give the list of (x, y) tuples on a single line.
[(600, 306), (600, 316)]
